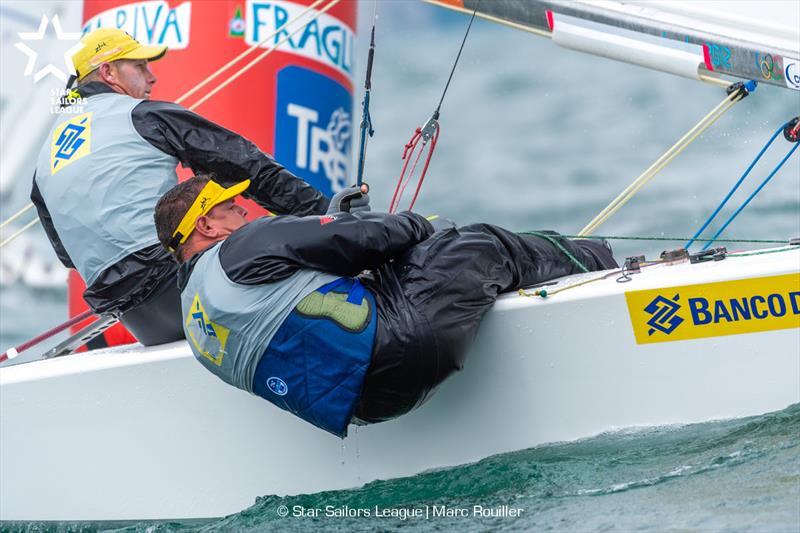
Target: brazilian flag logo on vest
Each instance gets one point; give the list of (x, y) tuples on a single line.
[(208, 338)]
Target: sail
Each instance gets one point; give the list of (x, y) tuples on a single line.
[(748, 40)]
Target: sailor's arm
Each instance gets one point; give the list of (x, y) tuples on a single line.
[(47, 224), (271, 249), (208, 147)]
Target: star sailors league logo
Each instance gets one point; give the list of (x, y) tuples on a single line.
[(34, 45)]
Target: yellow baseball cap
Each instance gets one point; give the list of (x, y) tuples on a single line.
[(210, 196), (104, 45)]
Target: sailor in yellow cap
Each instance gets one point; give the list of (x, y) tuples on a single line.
[(101, 171), (112, 56)]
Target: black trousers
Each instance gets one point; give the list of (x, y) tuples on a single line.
[(431, 300), (158, 319)]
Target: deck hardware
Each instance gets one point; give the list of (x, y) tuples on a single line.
[(791, 131), (675, 256), (714, 254), (633, 264)]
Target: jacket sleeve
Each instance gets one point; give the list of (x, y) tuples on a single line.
[(208, 147), (47, 224), (273, 248)]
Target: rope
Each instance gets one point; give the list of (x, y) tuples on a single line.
[(498, 20), (733, 189), (558, 245), (613, 237), (267, 52), (248, 51), (455, 63), (427, 132), (764, 252), (16, 215), (753, 195), (366, 120), (19, 232), (544, 293), (663, 161)]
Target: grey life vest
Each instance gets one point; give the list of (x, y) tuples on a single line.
[(229, 325), (101, 180)]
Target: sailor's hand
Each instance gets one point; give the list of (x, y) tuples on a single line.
[(350, 200), (440, 223)]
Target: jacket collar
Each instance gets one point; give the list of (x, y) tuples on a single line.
[(92, 88), (185, 270)]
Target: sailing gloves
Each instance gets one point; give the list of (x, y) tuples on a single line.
[(350, 200)]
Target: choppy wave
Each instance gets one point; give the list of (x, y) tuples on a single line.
[(734, 475)]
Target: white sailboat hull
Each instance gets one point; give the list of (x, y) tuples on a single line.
[(133, 433)]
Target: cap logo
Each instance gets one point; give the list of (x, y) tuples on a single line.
[(99, 58), (203, 203), (100, 46)]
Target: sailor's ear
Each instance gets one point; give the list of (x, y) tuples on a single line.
[(206, 227), (107, 73)]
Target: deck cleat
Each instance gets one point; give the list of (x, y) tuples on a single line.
[(714, 254)]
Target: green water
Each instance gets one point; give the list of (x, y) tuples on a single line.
[(736, 475)]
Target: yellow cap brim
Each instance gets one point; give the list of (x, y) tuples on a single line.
[(150, 53), (232, 191), (211, 196)]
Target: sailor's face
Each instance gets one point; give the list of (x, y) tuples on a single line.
[(134, 77), (227, 217)]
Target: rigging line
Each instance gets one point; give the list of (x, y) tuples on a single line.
[(20, 231), (492, 18), (676, 239), (16, 215), (659, 164), (662, 162), (553, 240), (544, 293), (753, 195), (713, 80), (455, 63), (247, 52), (733, 189), (761, 252), (267, 52), (647, 238), (655, 169), (366, 119), (429, 132)]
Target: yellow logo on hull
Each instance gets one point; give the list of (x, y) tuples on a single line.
[(208, 338), (715, 309), (72, 140)]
